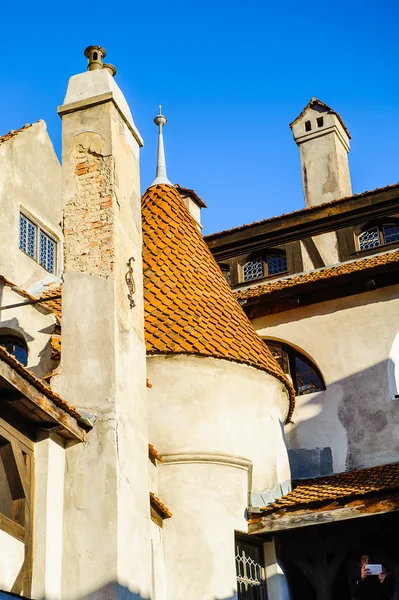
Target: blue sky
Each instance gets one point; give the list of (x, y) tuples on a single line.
[(230, 76)]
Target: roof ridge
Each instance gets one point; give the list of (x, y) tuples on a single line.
[(305, 209), (14, 132)]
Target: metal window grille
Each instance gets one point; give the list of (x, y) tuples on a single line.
[(391, 233), (250, 573), (253, 269), (276, 263), (27, 236), (369, 239), (37, 244), (47, 252)]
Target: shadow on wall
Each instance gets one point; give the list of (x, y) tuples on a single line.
[(110, 591), (357, 412)]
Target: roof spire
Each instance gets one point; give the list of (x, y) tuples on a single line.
[(161, 176)]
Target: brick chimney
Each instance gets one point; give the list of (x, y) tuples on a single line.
[(323, 142), (103, 365)]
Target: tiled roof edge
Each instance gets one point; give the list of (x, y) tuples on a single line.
[(14, 132), (305, 210), (344, 268), (38, 384)]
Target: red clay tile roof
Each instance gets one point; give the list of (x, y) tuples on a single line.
[(341, 485), (313, 101), (38, 383), (54, 305), (13, 133), (189, 306), (164, 510), (292, 281), (306, 210)]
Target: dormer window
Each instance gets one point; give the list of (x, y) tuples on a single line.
[(272, 263), (36, 243), (378, 236)]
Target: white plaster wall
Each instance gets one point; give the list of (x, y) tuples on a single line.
[(48, 517), (159, 589), (324, 158), (350, 341), (208, 405), (306, 260), (33, 324), (30, 180), (12, 557), (326, 243), (276, 580), (106, 489), (208, 502)]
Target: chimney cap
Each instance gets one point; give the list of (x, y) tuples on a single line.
[(91, 49), (315, 101)]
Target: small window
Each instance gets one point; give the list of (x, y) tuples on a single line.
[(308, 126), (320, 121), (253, 269), (264, 266), (15, 346), (305, 376), (37, 244), (250, 571), (369, 239), (378, 235)]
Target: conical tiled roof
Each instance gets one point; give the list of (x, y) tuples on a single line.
[(189, 306)]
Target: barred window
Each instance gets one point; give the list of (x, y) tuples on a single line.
[(378, 235), (306, 377), (250, 572), (37, 244), (369, 239), (270, 264), (253, 269)]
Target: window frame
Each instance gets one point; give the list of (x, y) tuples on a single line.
[(379, 225), (289, 356), (21, 342), (39, 230), (241, 544), (263, 257)]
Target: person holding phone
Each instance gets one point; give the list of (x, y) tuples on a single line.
[(370, 586)]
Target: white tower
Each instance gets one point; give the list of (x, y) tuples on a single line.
[(323, 142)]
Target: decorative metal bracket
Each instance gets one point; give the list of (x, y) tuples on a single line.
[(129, 278)]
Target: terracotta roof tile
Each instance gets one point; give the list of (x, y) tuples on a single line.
[(11, 134), (38, 383), (200, 315), (292, 281), (164, 510), (54, 305), (341, 485)]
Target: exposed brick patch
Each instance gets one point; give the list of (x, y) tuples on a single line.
[(89, 216)]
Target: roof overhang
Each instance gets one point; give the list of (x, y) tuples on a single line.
[(22, 402), (322, 513)]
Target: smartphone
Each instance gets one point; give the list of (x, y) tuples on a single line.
[(374, 569)]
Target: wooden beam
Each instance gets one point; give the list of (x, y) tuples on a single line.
[(68, 424), (313, 252), (281, 521), (12, 528), (10, 433), (13, 477)]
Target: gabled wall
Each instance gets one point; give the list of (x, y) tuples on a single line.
[(30, 180)]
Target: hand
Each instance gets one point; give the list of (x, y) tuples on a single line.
[(381, 577), (364, 572)]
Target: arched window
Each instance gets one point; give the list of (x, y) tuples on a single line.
[(305, 376), (271, 263), (15, 346), (378, 235)]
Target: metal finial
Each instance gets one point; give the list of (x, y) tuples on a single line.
[(161, 177)]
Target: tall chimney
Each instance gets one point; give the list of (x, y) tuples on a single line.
[(103, 365), (323, 142)]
